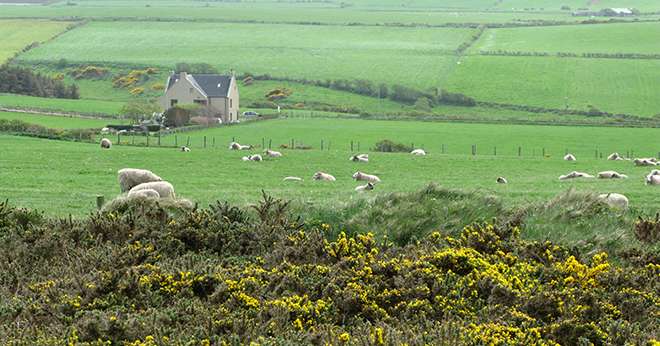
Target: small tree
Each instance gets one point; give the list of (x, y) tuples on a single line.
[(136, 110)]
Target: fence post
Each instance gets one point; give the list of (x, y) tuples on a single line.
[(214, 141), (543, 152), (495, 150), (176, 141), (321, 145), (133, 140), (204, 142), (118, 138), (474, 149), (159, 138), (351, 146), (188, 142), (100, 201), (596, 153), (270, 142), (519, 151)]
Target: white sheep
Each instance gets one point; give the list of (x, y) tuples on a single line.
[(323, 176), (615, 157), (236, 146), (418, 152), (615, 200), (359, 158), (645, 162), (363, 188), (130, 177), (164, 189), (366, 177), (569, 157), (146, 193), (611, 175), (574, 175), (501, 180), (652, 179), (106, 143), (292, 179), (273, 153), (185, 149)]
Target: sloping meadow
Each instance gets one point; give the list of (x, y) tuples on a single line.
[(145, 274)]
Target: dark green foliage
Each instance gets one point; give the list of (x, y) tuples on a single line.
[(19, 80), (388, 146), (21, 128), (199, 68)]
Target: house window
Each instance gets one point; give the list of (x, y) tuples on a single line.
[(200, 102), (173, 102), (230, 103)]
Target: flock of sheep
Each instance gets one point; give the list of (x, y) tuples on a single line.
[(138, 182)]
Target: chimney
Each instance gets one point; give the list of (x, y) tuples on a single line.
[(182, 75)]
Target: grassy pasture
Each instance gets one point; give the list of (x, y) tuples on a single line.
[(66, 105), (77, 172), (602, 38), (16, 34), (411, 56), (627, 86), (56, 122)]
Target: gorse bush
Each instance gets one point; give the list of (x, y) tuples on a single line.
[(146, 275)]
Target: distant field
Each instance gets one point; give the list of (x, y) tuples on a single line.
[(602, 38), (628, 86), (62, 105), (81, 171), (16, 34), (410, 56), (56, 122)]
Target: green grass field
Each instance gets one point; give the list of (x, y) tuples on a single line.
[(408, 56), (58, 122), (81, 171), (603, 38), (627, 86), (16, 34)]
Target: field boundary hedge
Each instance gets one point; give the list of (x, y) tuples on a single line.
[(586, 55)]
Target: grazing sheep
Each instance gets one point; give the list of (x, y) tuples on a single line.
[(569, 157), (105, 130), (652, 179), (292, 179), (645, 162), (236, 146), (164, 189), (574, 175), (418, 152), (366, 177), (130, 177), (615, 157), (185, 149), (146, 193), (323, 176), (360, 158), (255, 157), (273, 153), (363, 188), (105, 143), (611, 175), (502, 180), (614, 200)]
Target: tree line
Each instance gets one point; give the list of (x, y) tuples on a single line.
[(19, 80)]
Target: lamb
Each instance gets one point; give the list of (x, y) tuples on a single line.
[(615, 157), (645, 162), (614, 200), (146, 193), (163, 188), (502, 180), (292, 179), (363, 188), (575, 174), (569, 157), (236, 146), (105, 143), (366, 177), (273, 153), (185, 149), (418, 152), (360, 158), (130, 177), (611, 175), (256, 157), (652, 179), (323, 176)]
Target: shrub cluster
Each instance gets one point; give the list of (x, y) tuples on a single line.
[(89, 72), (18, 127), (19, 80), (388, 146), (133, 78), (227, 275)]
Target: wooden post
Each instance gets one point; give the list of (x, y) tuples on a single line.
[(118, 138), (543, 152), (159, 138), (358, 145), (519, 151), (133, 140), (100, 201), (270, 142), (596, 153), (351, 146), (147, 138), (214, 141), (176, 141), (474, 150), (188, 142), (495, 151), (321, 144)]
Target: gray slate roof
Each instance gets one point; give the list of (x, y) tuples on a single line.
[(213, 85)]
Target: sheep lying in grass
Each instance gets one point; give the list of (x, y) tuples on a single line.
[(611, 175), (256, 157), (614, 200), (574, 175), (653, 179), (105, 143), (645, 162), (292, 179), (501, 180), (131, 177), (569, 157), (146, 193), (366, 177), (363, 188), (163, 188), (615, 157), (323, 176), (185, 149), (236, 146), (418, 152), (360, 158), (273, 153)]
